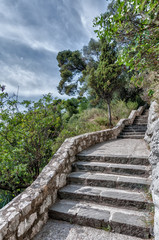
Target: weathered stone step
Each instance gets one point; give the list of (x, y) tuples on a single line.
[(145, 116), (134, 130), (132, 133), (115, 159), (108, 180), (112, 168), (142, 117), (122, 221), (131, 136), (136, 127), (109, 196), (141, 122)]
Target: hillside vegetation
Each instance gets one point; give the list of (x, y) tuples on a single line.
[(93, 119), (29, 138)]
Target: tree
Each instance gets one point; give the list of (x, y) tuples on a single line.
[(92, 52), (71, 106), (134, 24), (105, 80), (75, 66), (71, 66), (26, 139)]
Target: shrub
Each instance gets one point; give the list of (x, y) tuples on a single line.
[(102, 121), (120, 109), (26, 139)]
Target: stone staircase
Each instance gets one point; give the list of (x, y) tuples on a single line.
[(108, 191), (137, 129)]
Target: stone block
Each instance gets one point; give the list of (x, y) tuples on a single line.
[(80, 148), (62, 180), (12, 237), (47, 203), (3, 226), (37, 228), (25, 207), (26, 224), (54, 196), (13, 221)]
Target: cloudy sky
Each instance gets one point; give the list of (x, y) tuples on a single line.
[(32, 32)]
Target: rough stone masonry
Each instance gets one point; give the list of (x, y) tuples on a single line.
[(152, 138)]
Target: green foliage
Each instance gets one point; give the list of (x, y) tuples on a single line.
[(135, 25), (106, 79), (71, 106), (71, 65), (75, 66), (93, 119), (107, 229), (121, 109), (26, 139), (5, 197), (79, 124), (101, 121), (92, 52), (83, 104)]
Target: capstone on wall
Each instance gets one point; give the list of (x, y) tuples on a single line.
[(23, 217)]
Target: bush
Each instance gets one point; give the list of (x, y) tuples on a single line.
[(5, 197), (120, 109), (26, 139), (80, 124), (102, 121)]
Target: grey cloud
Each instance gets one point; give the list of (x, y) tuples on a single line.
[(31, 35)]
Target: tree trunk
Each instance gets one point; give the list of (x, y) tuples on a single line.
[(109, 114)]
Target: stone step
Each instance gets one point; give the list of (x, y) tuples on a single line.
[(108, 196), (143, 116), (141, 119), (134, 130), (122, 221), (112, 168), (146, 114), (109, 180), (132, 136), (136, 127), (142, 131), (132, 133), (122, 159), (140, 122)]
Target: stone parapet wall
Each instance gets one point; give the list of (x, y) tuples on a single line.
[(152, 137), (23, 217)]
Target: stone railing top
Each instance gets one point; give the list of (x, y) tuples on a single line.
[(24, 216)]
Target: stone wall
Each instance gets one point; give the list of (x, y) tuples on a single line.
[(152, 137), (24, 216)]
